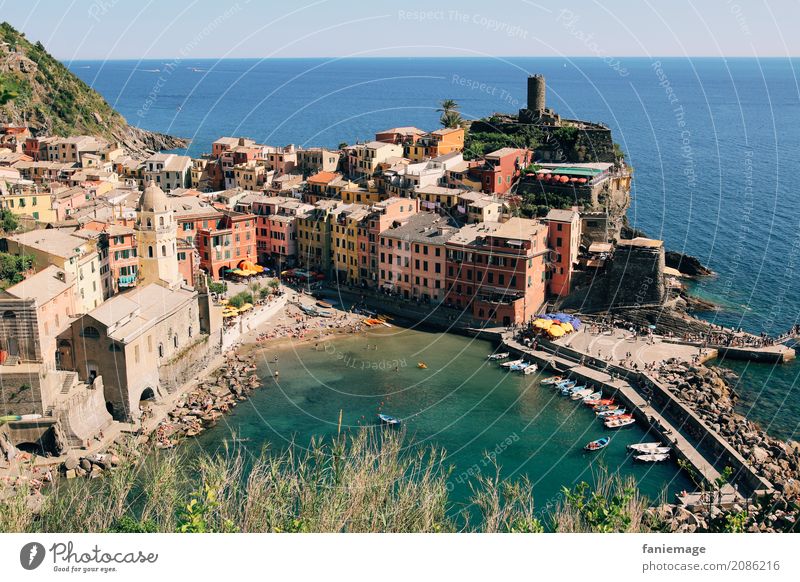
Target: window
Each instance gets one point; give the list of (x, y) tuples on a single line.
[(160, 350), (163, 250), (150, 252), (114, 347), (90, 332)]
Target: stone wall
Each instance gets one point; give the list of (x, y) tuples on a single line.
[(187, 364)]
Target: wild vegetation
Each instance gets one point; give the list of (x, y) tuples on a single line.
[(12, 269), (363, 482)]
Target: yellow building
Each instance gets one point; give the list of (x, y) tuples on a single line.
[(314, 237), (344, 242), (355, 194), (39, 205)]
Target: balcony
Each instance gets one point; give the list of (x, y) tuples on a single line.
[(127, 281)]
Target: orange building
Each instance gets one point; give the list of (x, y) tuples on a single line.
[(227, 244), (564, 239)]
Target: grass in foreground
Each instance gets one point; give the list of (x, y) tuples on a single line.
[(361, 483)]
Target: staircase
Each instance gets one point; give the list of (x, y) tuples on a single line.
[(69, 381)]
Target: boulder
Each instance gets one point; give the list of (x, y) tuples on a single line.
[(759, 455), (86, 464), (71, 463)]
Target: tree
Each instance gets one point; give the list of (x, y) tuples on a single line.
[(13, 268), (217, 288), (447, 105), (451, 119), (274, 284), (9, 221), (342, 145)]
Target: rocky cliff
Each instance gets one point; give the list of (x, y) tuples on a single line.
[(39, 91)]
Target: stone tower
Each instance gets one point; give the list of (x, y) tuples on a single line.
[(156, 234), (536, 93)]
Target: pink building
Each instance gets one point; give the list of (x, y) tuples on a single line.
[(412, 258), (564, 239), (383, 215), (276, 229)]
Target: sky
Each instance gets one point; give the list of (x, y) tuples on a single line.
[(141, 29)]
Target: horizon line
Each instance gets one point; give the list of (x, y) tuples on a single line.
[(375, 57)]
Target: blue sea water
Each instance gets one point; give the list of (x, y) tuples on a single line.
[(713, 143)]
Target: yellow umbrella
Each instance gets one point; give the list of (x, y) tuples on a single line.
[(245, 307), (556, 330), (543, 323), (567, 326)]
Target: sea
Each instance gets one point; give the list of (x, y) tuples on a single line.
[(712, 142)]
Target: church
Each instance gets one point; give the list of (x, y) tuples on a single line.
[(146, 341)]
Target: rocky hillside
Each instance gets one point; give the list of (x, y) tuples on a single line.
[(39, 90)]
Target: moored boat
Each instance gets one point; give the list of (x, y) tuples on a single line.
[(600, 443), (552, 380), (654, 447), (500, 356), (652, 457), (605, 408), (511, 363), (580, 394), (601, 402), (531, 369), (604, 414), (592, 398), (619, 422)]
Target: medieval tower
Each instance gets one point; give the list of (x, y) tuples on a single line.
[(156, 234)]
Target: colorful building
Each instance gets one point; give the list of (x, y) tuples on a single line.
[(497, 270), (226, 244), (564, 239), (501, 168)]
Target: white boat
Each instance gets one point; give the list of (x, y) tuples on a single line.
[(519, 367), (593, 396), (511, 363), (649, 448), (501, 356), (552, 380), (580, 394), (618, 422), (652, 457), (605, 414), (531, 369)]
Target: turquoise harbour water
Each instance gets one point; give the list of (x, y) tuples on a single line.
[(714, 164), (460, 402)]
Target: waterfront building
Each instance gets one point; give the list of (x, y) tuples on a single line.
[(33, 314), (497, 270), (564, 239), (276, 229), (314, 236), (412, 257), (77, 257), (345, 242), (227, 244), (381, 216)]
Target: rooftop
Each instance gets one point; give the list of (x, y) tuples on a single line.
[(424, 227), (43, 286), (52, 241)]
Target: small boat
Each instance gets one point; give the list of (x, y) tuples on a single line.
[(600, 443), (553, 380), (565, 385), (501, 356), (605, 408), (654, 447), (530, 369), (511, 363), (592, 398), (324, 304), (422, 365), (618, 422), (580, 394), (390, 420), (652, 457), (569, 390), (594, 403), (603, 415), (519, 367)]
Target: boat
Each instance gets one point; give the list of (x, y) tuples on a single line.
[(511, 363), (580, 394), (618, 422), (600, 402), (422, 365), (530, 369), (654, 447), (519, 367), (500, 356), (592, 398), (652, 457), (566, 385), (600, 443), (606, 408), (552, 380), (324, 304), (603, 415), (390, 420), (569, 388)]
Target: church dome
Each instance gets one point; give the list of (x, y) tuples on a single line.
[(153, 199)]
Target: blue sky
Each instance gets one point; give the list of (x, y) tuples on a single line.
[(118, 29)]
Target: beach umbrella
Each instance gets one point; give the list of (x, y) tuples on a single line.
[(561, 317), (567, 326), (556, 330), (542, 323)]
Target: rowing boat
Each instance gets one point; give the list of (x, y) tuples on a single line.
[(511, 363), (603, 415), (592, 398), (619, 422), (390, 420), (501, 356), (531, 369), (552, 380), (600, 443), (580, 394), (647, 448)]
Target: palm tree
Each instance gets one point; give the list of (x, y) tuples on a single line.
[(451, 118), (448, 105)]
